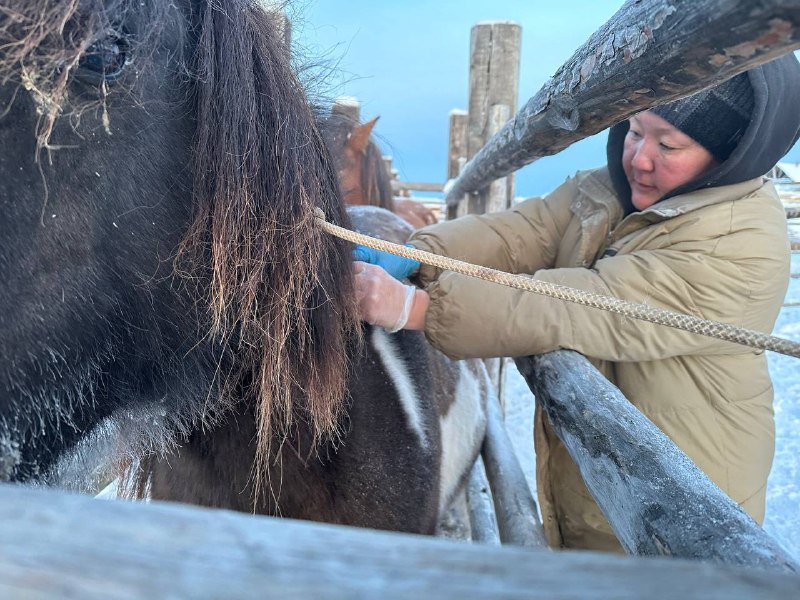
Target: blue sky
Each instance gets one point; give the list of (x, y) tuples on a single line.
[(408, 61)]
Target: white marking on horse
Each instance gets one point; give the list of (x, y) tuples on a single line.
[(398, 373), (463, 428)]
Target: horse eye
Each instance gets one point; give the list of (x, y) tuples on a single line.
[(104, 61)]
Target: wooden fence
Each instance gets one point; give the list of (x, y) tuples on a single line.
[(54, 544), (647, 54), (57, 545)]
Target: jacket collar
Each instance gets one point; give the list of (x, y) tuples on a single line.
[(684, 204)]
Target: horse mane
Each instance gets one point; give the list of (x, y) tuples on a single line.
[(376, 183), (278, 291), (375, 178)]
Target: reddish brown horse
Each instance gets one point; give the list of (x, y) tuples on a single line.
[(363, 176)]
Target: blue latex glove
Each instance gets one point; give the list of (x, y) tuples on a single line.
[(397, 266)]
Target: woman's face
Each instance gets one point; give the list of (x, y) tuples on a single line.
[(657, 158)]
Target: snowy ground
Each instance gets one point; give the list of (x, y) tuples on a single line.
[(783, 489)]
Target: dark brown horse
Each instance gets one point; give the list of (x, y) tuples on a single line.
[(363, 175), (165, 285)]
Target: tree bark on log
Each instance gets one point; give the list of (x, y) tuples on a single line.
[(647, 54), (656, 499)]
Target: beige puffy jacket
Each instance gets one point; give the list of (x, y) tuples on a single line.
[(719, 253)]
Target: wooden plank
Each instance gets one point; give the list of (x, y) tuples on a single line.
[(648, 53), (457, 142), (68, 546), (498, 196), (517, 515), (417, 186), (656, 499)]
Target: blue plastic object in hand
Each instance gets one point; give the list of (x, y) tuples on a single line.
[(397, 266)]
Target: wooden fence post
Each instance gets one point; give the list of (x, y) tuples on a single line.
[(284, 25), (347, 106), (387, 162), (493, 89), (493, 81), (456, 150)]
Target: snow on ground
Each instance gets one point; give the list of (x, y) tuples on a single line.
[(783, 487)]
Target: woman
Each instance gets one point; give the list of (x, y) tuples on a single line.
[(680, 218)]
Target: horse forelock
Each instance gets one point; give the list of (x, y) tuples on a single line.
[(279, 290)]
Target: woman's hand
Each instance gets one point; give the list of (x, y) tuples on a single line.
[(397, 266), (387, 302)]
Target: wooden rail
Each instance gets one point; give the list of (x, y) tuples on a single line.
[(657, 501), (499, 499), (648, 53), (411, 186), (54, 544)]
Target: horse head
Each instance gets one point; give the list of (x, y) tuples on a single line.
[(159, 171), (359, 163)]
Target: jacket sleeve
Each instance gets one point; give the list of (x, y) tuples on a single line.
[(522, 239), (473, 318)]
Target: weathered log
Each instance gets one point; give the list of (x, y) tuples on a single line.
[(493, 81), (656, 499), (456, 151), (482, 520), (648, 53), (54, 544), (515, 508)]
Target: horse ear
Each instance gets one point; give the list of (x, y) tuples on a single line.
[(359, 136)]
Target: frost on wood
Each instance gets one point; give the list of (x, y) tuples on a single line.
[(656, 499)]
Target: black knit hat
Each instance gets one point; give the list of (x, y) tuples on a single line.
[(715, 118)]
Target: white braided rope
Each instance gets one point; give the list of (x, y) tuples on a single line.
[(634, 310)]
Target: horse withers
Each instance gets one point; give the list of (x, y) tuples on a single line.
[(165, 285)]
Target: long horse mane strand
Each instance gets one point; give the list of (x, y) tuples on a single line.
[(279, 290)]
